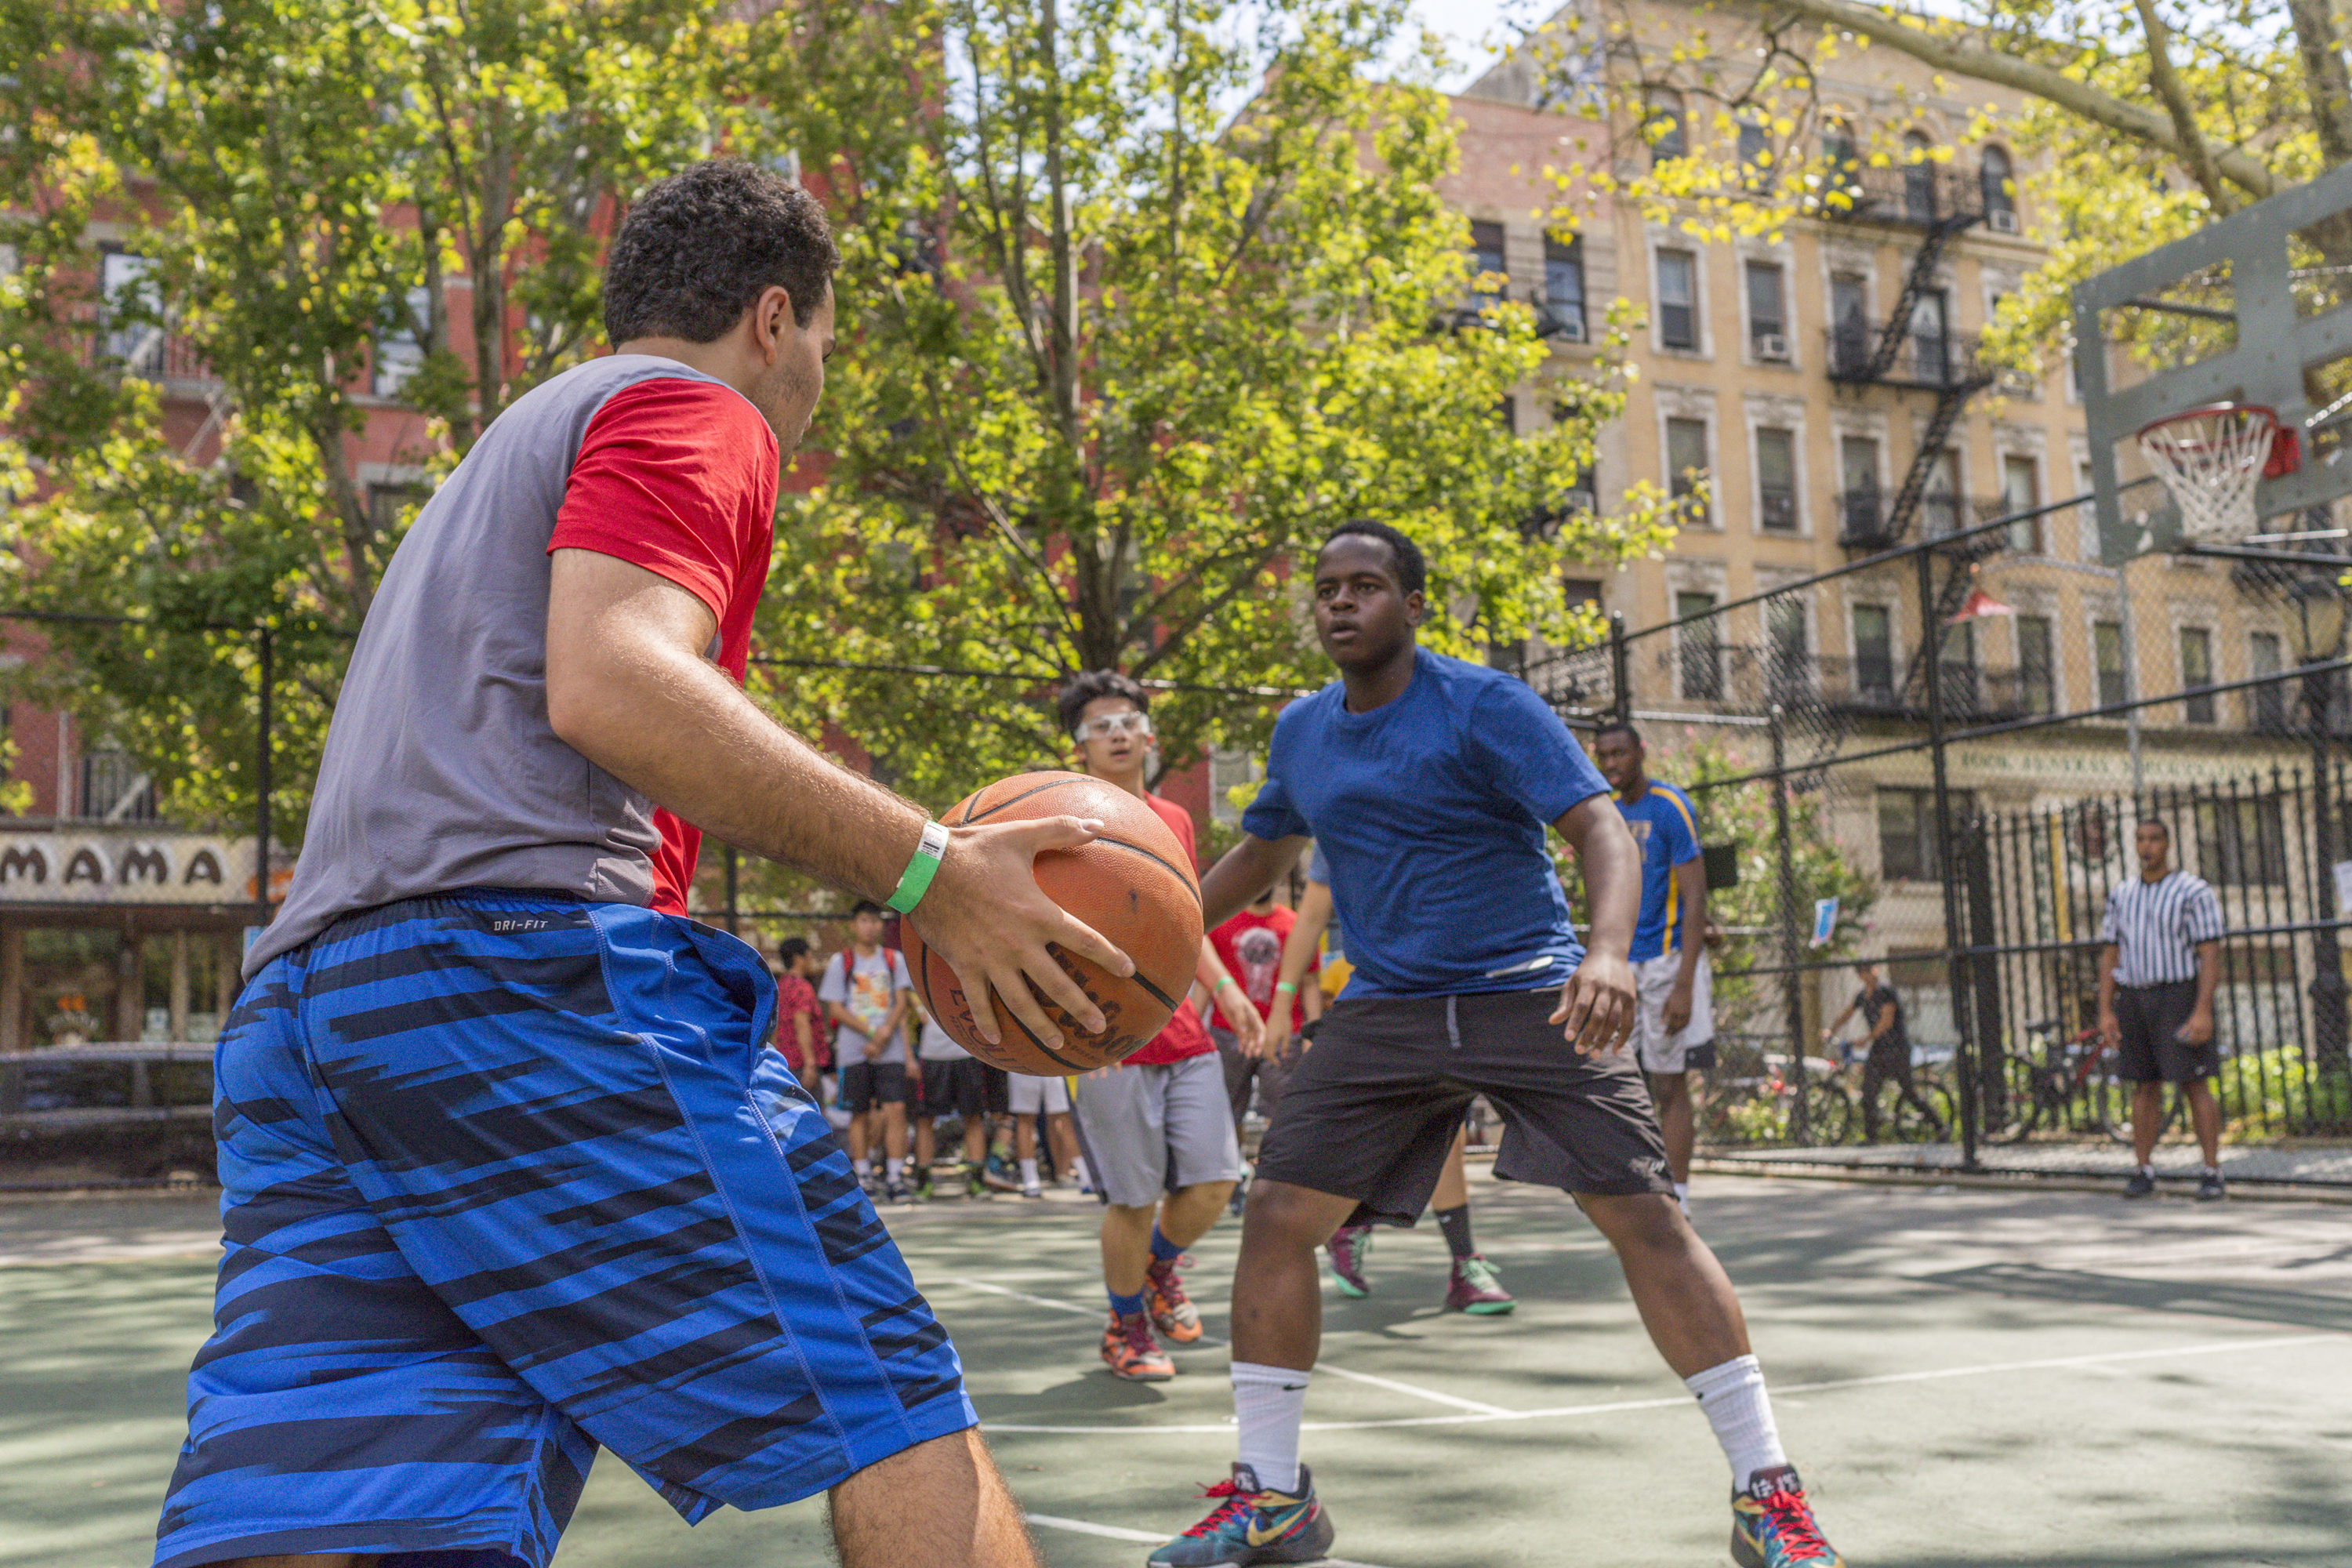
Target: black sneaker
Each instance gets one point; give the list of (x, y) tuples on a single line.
[(2141, 1185), (2210, 1188), (923, 1188), (975, 1184), (894, 1193)]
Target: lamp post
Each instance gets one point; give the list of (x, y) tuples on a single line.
[(2315, 625)]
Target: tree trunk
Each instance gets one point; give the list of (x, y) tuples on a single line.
[(2324, 77)]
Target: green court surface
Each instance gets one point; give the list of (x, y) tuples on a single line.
[(1967, 1377)]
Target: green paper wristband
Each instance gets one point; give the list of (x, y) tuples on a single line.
[(915, 880), (1285, 986)]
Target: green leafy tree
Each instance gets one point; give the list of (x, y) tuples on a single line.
[(1151, 299), (309, 181)]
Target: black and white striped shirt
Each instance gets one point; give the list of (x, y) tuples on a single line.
[(2156, 927)]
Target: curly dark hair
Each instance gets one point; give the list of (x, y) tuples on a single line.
[(1411, 571), (1080, 690), (698, 246)]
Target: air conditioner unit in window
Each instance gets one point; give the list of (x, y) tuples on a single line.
[(2002, 220), (1771, 345)]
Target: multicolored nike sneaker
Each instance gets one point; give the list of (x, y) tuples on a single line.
[(1772, 1524), (1351, 1245), (1252, 1524), (1477, 1290), (1173, 1313), (1130, 1352)]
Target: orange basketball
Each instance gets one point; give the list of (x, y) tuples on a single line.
[(1133, 884)]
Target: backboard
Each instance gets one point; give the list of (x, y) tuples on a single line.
[(2256, 308)]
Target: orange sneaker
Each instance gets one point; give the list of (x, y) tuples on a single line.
[(1173, 1313), (1130, 1352)]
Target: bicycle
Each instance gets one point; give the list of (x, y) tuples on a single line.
[(2075, 1074), (1925, 1115), (1769, 1107)]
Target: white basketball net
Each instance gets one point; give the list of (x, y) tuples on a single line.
[(2211, 460)]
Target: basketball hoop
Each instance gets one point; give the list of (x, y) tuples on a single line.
[(2211, 458)]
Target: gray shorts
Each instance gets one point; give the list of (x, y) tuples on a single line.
[(1149, 1131)]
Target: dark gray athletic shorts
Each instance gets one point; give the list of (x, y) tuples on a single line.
[(1373, 1104), (2149, 1018)]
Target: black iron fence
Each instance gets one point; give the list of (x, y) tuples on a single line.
[(1932, 758)]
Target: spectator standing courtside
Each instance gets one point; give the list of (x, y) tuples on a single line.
[(866, 990), (1251, 943), (2156, 974), (1674, 1024), (802, 1034), (954, 1083), (1887, 1054)]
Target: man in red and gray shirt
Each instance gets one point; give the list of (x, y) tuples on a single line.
[(1158, 1135), (509, 1169)]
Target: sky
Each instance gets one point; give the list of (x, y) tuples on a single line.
[(1472, 29)]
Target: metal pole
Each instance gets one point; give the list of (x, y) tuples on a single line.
[(1955, 962), (2130, 635), (1620, 665), (262, 785), (2333, 1058), (1794, 1000)]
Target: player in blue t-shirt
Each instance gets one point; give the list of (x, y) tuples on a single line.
[(1430, 782), (1674, 1024)]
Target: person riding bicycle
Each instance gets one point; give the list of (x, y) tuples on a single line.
[(1888, 1046)]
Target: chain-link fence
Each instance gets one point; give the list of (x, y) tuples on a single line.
[(1933, 758)]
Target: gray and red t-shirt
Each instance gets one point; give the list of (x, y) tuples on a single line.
[(441, 770)]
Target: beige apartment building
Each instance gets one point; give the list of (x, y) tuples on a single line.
[(1827, 385)]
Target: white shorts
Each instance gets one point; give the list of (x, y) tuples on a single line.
[(1027, 1096), (1694, 1048)]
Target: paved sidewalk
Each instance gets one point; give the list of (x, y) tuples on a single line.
[(2318, 1166)]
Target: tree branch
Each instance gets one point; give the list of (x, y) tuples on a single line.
[(2175, 98)]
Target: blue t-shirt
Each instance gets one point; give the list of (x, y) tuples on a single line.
[(1665, 830), (1431, 811)]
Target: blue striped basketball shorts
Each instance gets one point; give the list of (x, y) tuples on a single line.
[(506, 1177)]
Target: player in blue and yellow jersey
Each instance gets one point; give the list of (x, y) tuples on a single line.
[(1673, 1023)]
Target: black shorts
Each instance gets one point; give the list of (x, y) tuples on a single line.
[(1370, 1110), (865, 1085), (2150, 1018), (958, 1087)]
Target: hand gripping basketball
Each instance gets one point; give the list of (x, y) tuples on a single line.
[(986, 916)]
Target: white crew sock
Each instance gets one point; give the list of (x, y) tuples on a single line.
[(1079, 1170), (1029, 1172), (1682, 1196), (891, 1168), (1737, 1406), (1270, 1402), (864, 1168)]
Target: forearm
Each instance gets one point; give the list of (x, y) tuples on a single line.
[(1245, 871), (1306, 932), (675, 728), (2107, 981), (1690, 886), (2208, 974), (1612, 875), (1209, 969)]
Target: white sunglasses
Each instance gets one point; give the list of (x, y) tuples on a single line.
[(1129, 723)]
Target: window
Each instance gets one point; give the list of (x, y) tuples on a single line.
[(1579, 591), (1993, 176), (1873, 654), (2266, 705), (1861, 513), (1686, 469), (1755, 156), (1918, 177), (1940, 501), (1931, 338), (2196, 672), (1844, 163), (127, 290), (1564, 284), (2242, 843), (1849, 322), (1907, 830), (1700, 644), (2107, 654), (399, 352), (1677, 300), (1768, 316), (2021, 490), (114, 788), (2037, 681), (1662, 126), (1792, 666), (1957, 660), (2087, 514), (1776, 479), (390, 507), (1486, 276)]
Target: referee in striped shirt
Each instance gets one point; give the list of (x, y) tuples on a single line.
[(2156, 974)]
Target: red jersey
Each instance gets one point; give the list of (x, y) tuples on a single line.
[(796, 997), (1185, 1035), (679, 476), (1251, 946)]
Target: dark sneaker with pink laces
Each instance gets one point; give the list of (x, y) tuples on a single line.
[(1477, 1290), (1350, 1247), (1252, 1524), (1772, 1524)]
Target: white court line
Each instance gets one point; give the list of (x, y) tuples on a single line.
[(1680, 1401), (1430, 1394), (1033, 1300), (1114, 1532)]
